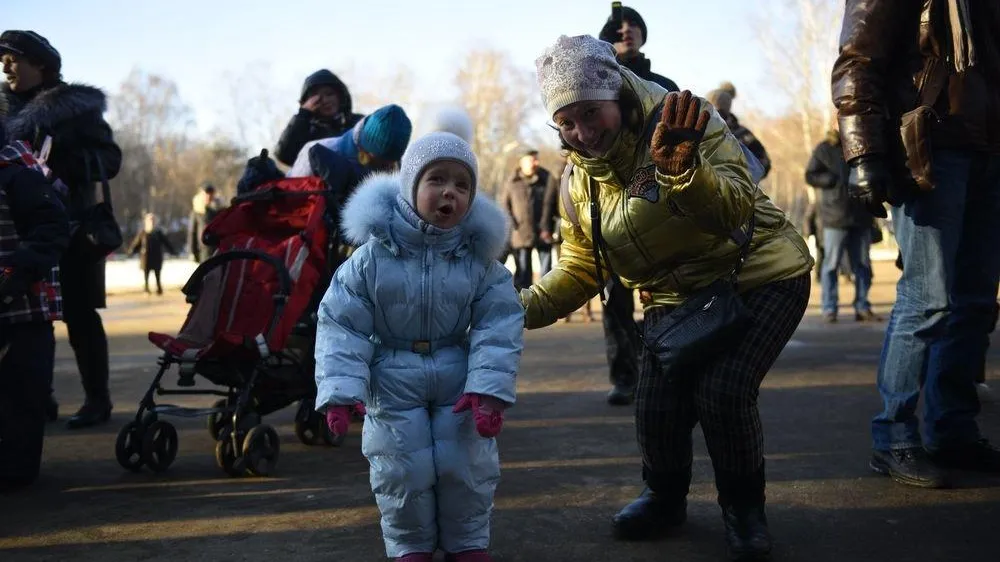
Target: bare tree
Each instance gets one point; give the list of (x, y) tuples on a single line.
[(498, 96), (256, 110), (799, 64)]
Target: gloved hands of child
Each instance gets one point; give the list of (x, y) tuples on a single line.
[(338, 419), (487, 412)]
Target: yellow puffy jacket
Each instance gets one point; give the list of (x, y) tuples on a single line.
[(665, 234)]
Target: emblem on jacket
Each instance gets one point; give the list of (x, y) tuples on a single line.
[(643, 184)]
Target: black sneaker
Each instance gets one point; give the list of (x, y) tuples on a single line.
[(977, 456), (912, 467)]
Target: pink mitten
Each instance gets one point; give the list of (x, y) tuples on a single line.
[(338, 419), (487, 412)]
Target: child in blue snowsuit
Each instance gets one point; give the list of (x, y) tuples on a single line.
[(422, 324)]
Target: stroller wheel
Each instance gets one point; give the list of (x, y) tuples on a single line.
[(159, 445), (260, 450), (308, 432), (225, 453), (217, 420), (128, 447)]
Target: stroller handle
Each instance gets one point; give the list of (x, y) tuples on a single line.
[(284, 278)]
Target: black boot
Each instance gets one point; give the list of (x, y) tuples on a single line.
[(661, 506), (52, 409), (90, 414), (741, 497), (621, 395)]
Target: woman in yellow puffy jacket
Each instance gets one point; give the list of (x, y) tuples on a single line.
[(673, 186)]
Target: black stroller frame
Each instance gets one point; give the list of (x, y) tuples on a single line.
[(243, 444)]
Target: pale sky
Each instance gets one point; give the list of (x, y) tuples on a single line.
[(196, 42)]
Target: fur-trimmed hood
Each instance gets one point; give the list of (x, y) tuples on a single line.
[(377, 210), (49, 107)]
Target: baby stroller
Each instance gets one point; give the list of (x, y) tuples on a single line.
[(251, 329)]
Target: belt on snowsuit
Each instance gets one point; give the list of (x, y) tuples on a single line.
[(423, 347)]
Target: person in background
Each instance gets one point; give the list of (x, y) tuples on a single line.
[(628, 41), (40, 106), (621, 344), (325, 110), (529, 198), (723, 102), (847, 229), (150, 244), (204, 206)]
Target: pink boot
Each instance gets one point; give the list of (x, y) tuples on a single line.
[(469, 556), (416, 557)]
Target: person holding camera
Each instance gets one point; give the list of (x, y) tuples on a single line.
[(83, 152), (627, 32), (915, 86)]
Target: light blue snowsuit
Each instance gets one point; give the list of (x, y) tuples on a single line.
[(415, 318)]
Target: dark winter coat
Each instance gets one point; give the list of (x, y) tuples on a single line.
[(306, 126), (150, 246), (532, 204), (640, 65), (827, 171), (34, 233), (750, 141), (73, 115)]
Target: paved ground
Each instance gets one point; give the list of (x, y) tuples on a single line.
[(569, 462)]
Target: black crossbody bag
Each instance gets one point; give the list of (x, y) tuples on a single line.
[(706, 324)]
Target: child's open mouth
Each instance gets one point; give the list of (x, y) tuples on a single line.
[(446, 210)]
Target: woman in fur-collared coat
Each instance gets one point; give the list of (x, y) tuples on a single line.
[(40, 104)]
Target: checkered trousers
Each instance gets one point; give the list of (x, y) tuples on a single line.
[(722, 396)]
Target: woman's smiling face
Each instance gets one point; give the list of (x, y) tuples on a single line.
[(589, 127)]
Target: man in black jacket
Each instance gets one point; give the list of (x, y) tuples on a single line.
[(324, 111), (34, 233), (620, 341), (41, 106), (846, 229), (628, 40)]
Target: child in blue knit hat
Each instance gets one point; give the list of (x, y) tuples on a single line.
[(422, 324), (376, 143)]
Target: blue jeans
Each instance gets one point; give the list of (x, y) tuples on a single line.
[(856, 243), (939, 328)]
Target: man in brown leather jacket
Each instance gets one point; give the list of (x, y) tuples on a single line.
[(939, 169)]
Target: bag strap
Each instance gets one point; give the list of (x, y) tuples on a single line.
[(567, 200), (105, 186), (935, 80)]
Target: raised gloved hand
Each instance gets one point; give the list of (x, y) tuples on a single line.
[(487, 412), (338, 419), (869, 183), (682, 125)]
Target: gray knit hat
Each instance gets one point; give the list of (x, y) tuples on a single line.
[(431, 148), (579, 68)]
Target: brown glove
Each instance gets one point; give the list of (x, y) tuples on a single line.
[(681, 128)]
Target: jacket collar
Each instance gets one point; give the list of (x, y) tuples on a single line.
[(378, 211), (49, 107)]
